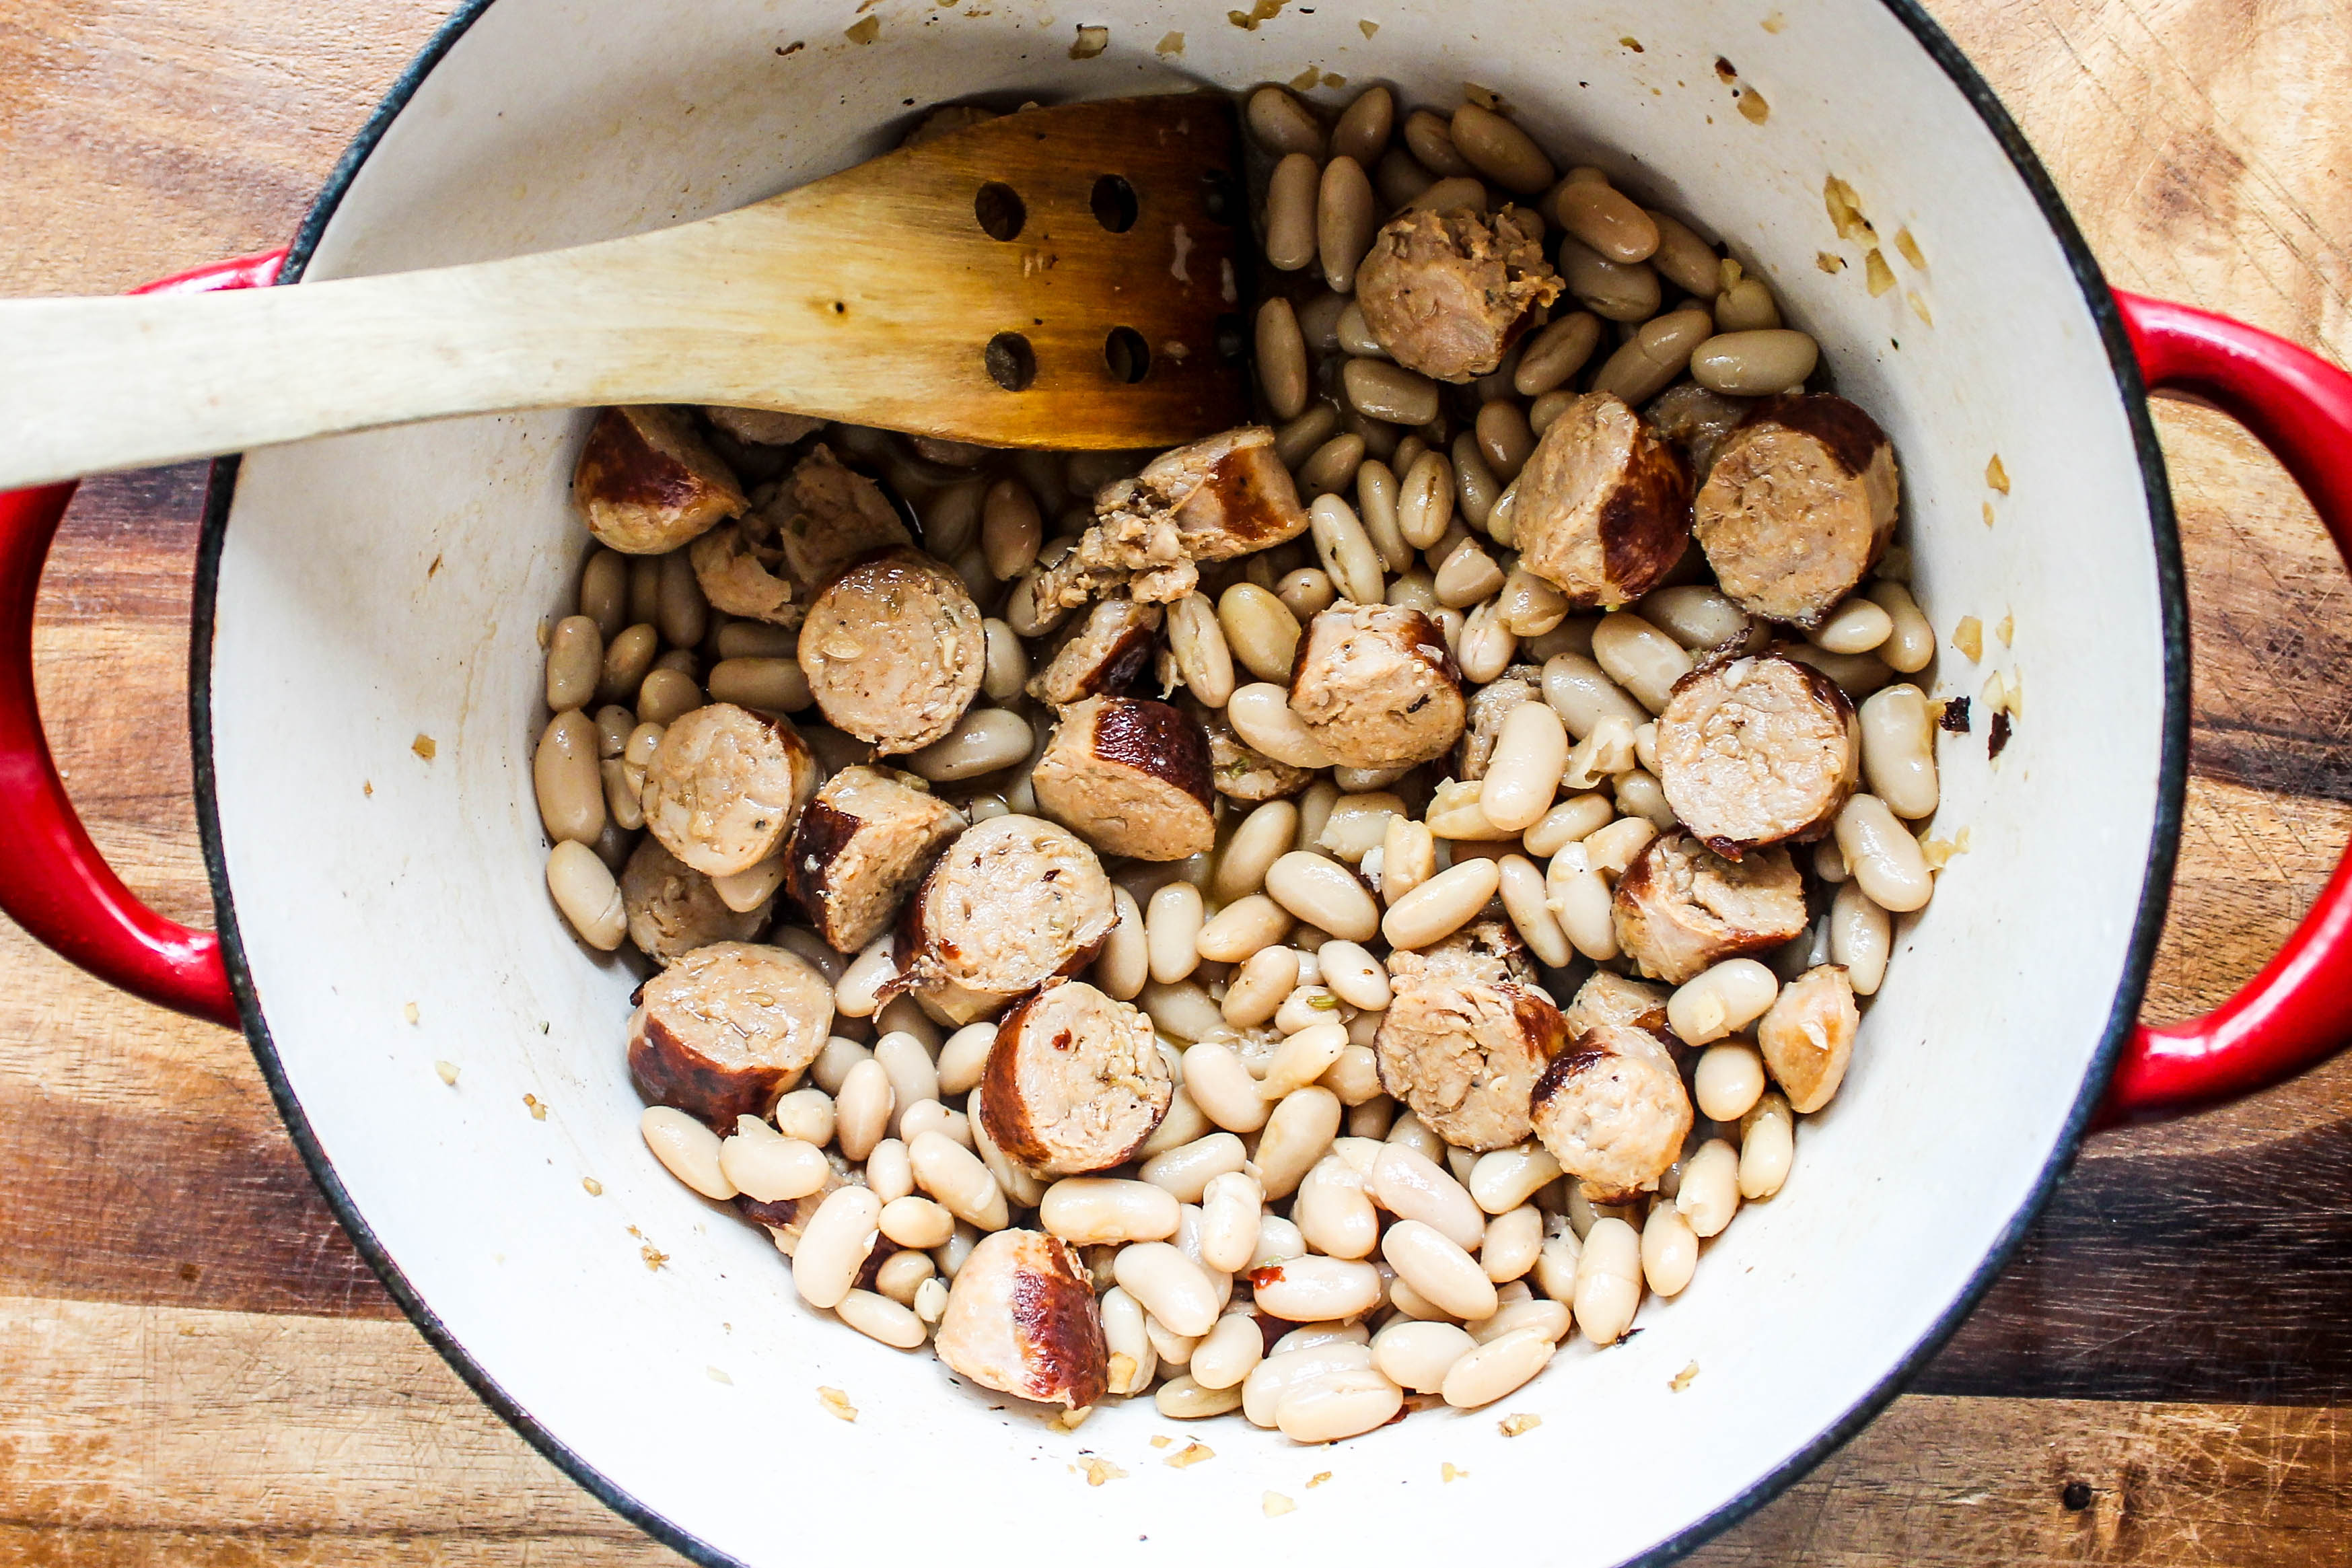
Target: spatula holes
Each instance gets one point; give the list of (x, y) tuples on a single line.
[(1220, 197), (1115, 203), (1127, 354), (1012, 362), (1230, 343), (1000, 210)]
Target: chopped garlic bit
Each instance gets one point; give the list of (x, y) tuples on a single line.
[(448, 1071), (1369, 28), (1845, 210), (424, 746), (1100, 1470), (1682, 1379), (1276, 1505), (1304, 81), (837, 1404), (717, 1375), (1162, 1440), (1752, 107), (595, 1188), (864, 31), (1190, 1454), (408, 1011), (536, 1107), (1486, 98), (1909, 248), (655, 1257), (1968, 636), (1919, 306), (1071, 1420), (1091, 41), (1987, 514), (2007, 630), (1317, 1479), (1518, 1426), (1173, 44), (1446, 1472), (1876, 274), (1996, 474), (1829, 262), (1939, 852)]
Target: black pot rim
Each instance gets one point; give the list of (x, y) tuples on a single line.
[(2123, 1016)]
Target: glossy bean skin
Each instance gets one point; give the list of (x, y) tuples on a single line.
[(1282, 371), (1346, 217), (1898, 750), (1884, 858), (1753, 363), (565, 776), (1861, 936), (1290, 237)]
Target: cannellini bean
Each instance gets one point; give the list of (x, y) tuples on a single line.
[(1496, 1368), (575, 663), (833, 1246), (1898, 750), (570, 786), (957, 1177), (1184, 1399), (1125, 962), (1617, 292), (1264, 836), (1301, 1059), (1258, 987), (1005, 669), (1487, 645), (687, 1149), (1612, 848), (1507, 1178), (1411, 1185), (1323, 893), (902, 1275), (1283, 125), (605, 592), (1352, 334), (1306, 593), (1332, 1213), (1228, 1353), (1127, 1339), (1566, 823), (1583, 694), (1524, 773), (1513, 1242), (1639, 794), (983, 739), (1090, 1211), (1296, 438), (1467, 575), (1555, 353), (1408, 857), (914, 1078), (1856, 627), (1170, 1286), (1500, 150), (1729, 1079), (1526, 900), (1607, 1280), (1861, 936), (1260, 714), (1425, 500), (1768, 1143), (1431, 142), (1654, 356), (862, 1109), (1417, 1355), (1476, 485), (1609, 222), (1504, 439), (1298, 1133), (1231, 1207), (1669, 1251), (1332, 466), (1183, 1123), (806, 1114), (951, 1253), (772, 1168), (1445, 1274), (1856, 674), (1281, 359), (1173, 933), (1441, 905), (1182, 1011), (1552, 1319), (858, 992), (1354, 1077), (1745, 306), (1725, 997), (1187, 1170), (1273, 1378), (1338, 1404), (1709, 1194), (1696, 616), (1409, 1133), (1380, 389), (779, 686), (1241, 927), (1883, 856), (1556, 1265), (627, 658), (1291, 190), (918, 1222), (1197, 642), (1911, 646), (1354, 976), (1639, 658), (1310, 1289), (1582, 902), (1376, 492), (1754, 361), (1346, 549), (582, 887), (879, 1318), (1371, 1120)]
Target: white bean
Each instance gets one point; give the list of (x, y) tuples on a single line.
[(1231, 1207), (772, 1168), (957, 1177), (833, 1246), (1187, 1170), (1298, 1133), (1412, 1184), (1526, 900), (1282, 369), (1524, 773), (1496, 1368), (1282, 125), (1183, 1124), (1332, 1212), (913, 1077), (1505, 1179), (582, 887), (1241, 927), (806, 1114), (1669, 1251), (1408, 857), (1185, 1399), (1170, 1286), (857, 993), (1336, 1405), (1310, 1289), (902, 1275), (862, 1109), (1768, 1143), (1911, 647), (1582, 902), (1856, 627), (1354, 976), (1756, 361), (1898, 750), (1417, 1355), (1639, 657), (1221, 1085), (687, 1149), (879, 1318), (1425, 500), (1197, 641), (1860, 937), (1883, 856), (1441, 905), (1346, 549), (1264, 1389), (1513, 1242), (1445, 1274), (1261, 716), (1095, 1211), (1584, 695), (1127, 1338), (1173, 933), (1354, 1077), (1501, 150), (1566, 823), (1259, 986), (912, 1221), (1709, 1194), (983, 739), (1291, 191), (1323, 893), (1228, 1353), (1720, 1000), (965, 1056), (1729, 1079), (1607, 1280), (1259, 629)]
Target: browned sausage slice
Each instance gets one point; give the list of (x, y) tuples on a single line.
[(1448, 293), (1807, 1036), (1022, 1320), (1242, 773), (865, 839), (1680, 906), (1799, 506), (725, 786), (647, 482), (1466, 1036), (1074, 1082), (1012, 903), (894, 650), (1613, 999), (1612, 1110), (1131, 777), (1226, 496), (1603, 507), (1109, 651), (762, 426), (770, 562), (673, 908), (726, 1028), (1757, 750), (1376, 687), (1696, 420), (1488, 707), (787, 1218)]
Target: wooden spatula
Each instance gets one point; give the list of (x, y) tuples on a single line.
[(1063, 276)]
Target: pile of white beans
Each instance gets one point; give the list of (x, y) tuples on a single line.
[(1284, 1183)]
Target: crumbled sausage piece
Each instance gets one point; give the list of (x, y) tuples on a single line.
[(1755, 750), (894, 651), (1696, 420), (1680, 907), (1104, 657), (1603, 507), (1376, 687), (862, 844), (1214, 499), (1799, 506), (1241, 772), (726, 1028), (1488, 707), (1074, 1082), (768, 564), (1466, 1036), (762, 426), (1807, 1036), (1447, 293), (1131, 777), (725, 786), (1614, 1000), (647, 482), (673, 908), (1612, 1110), (1012, 903), (1022, 1320)]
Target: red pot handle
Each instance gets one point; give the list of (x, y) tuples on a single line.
[(53, 881), (2299, 1008)]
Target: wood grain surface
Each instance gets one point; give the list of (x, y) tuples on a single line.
[(198, 1369)]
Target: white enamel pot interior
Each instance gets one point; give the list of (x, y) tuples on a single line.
[(363, 592)]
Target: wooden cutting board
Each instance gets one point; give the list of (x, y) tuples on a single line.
[(195, 1367)]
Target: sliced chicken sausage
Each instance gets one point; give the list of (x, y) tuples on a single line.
[(725, 785), (1131, 777), (726, 1028), (1241, 772), (1697, 421), (1111, 648), (1074, 1082), (1447, 293), (1376, 687), (1022, 1320), (768, 564), (1757, 750), (1603, 507), (862, 844), (1012, 903), (1226, 496), (1612, 1110), (647, 482), (893, 650), (1807, 1036), (1799, 506), (673, 908), (1614, 1000), (1680, 907), (1466, 1036)]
